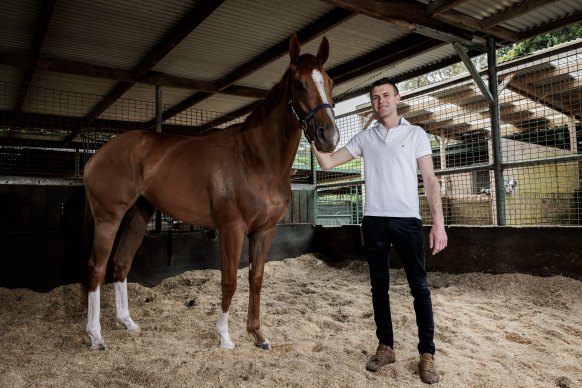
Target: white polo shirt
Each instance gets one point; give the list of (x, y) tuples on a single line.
[(390, 167)]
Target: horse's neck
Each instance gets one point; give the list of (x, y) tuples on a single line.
[(277, 141)]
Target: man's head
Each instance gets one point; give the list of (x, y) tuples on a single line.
[(384, 97), (384, 81)]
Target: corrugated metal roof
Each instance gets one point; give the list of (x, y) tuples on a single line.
[(110, 33), (352, 39), (117, 35), (17, 23), (542, 15), (219, 46)]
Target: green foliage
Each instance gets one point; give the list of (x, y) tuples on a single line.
[(513, 51), (540, 42)]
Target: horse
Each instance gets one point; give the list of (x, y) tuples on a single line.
[(234, 180)]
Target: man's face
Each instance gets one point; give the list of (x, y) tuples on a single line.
[(384, 101)]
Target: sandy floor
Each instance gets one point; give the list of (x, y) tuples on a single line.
[(491, 331)]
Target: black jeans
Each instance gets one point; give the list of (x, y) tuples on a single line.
[(408, 240)]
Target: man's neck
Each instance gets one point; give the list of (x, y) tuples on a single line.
[(390, 122)]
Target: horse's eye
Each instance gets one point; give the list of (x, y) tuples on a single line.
[(299, 86)]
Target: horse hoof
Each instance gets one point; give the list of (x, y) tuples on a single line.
[(130, 326), (100, 347), (264, 345), (229, 345)]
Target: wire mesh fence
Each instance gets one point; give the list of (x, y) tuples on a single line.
[(528, 175), (538, 155), (58, 139)]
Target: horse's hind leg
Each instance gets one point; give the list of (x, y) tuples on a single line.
[(231, 242), (131, 233), (259, 245)]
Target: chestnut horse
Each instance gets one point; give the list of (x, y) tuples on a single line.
[(235, 180)]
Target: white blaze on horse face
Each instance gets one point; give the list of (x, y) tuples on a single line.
[(93, 325), (320, 84), (122, 306), (222, 330)]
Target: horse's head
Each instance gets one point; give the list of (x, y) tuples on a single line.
[(310, 100)]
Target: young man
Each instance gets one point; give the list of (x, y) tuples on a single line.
[(393, 150)]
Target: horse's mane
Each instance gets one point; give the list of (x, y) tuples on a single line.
[(278, 93)]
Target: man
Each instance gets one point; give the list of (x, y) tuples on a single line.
[(393, 149)]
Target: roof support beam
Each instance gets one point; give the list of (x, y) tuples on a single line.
[(96, 71), (542, 29), (44, 121), (435, 66), (472, 24), (179, 33), (311, 32), (518, 9), (120, 89), (438, 6), (387, 55), (407, 15), (34, 51), (320, 27), (448, 26), (186, 26), (231, 116), (474, 72)]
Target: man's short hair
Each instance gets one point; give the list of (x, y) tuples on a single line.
[(384, 81)]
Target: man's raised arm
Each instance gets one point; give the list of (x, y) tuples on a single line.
[(327, 161)]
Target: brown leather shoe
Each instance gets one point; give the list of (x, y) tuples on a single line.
[(427, 369), (384, 355)]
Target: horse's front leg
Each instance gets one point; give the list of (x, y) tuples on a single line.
[(104, 236), (259, 245), (231, 242)]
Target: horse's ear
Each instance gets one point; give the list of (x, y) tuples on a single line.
[(294, 48), (323, 52)]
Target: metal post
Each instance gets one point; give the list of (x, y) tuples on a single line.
[(496, 132), (158, 129), (314, 183), (158, 108)]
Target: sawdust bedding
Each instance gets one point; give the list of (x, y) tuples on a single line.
[(510, 330)]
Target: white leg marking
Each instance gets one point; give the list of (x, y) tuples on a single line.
[(318, 80), (222, 330), (93, 324), (122, 307)]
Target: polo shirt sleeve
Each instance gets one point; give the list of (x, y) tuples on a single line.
[(423, 146), (354, 145)]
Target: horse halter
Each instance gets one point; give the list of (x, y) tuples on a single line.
[(305, 121)]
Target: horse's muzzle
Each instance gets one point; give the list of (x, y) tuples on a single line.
[(326, 137)]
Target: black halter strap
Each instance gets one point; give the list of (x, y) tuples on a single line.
[(305, 121)]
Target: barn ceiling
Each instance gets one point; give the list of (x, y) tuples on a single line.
[(224, 55)]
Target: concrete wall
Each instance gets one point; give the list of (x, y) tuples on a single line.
[(542, 251), (41, 245), (43, 260)]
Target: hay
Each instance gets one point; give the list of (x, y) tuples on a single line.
[(491, 331)]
